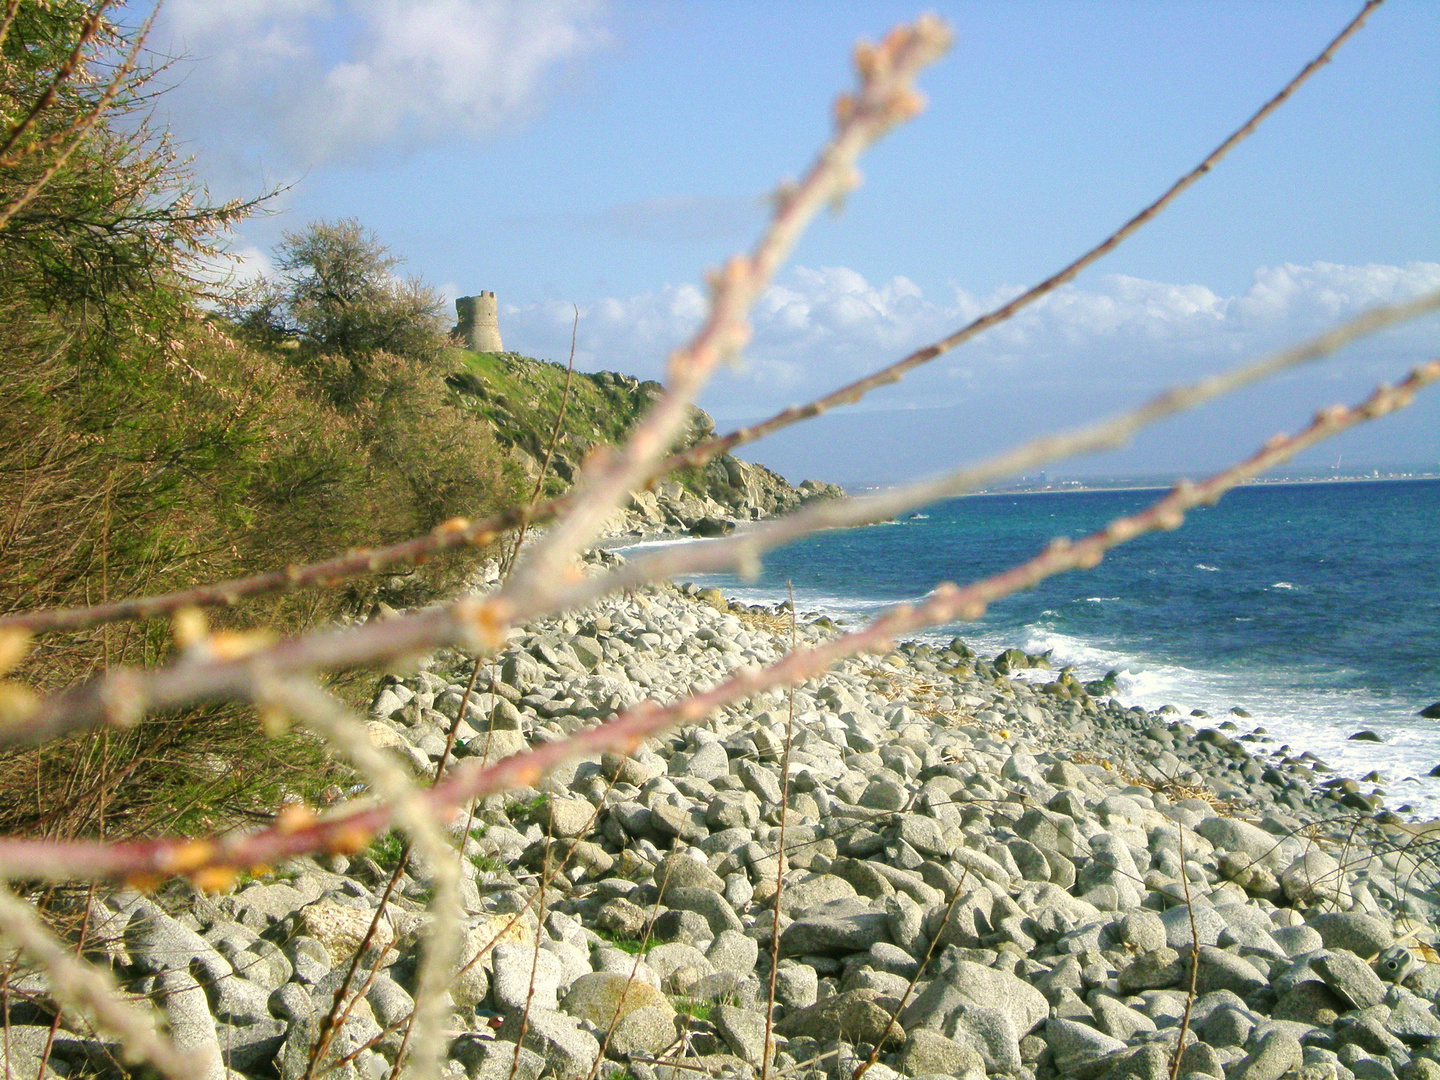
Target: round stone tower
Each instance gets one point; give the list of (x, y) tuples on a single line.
[(479, 322)]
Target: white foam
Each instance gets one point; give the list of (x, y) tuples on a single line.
[(1316, 717), (666, 542), (1210, 569)]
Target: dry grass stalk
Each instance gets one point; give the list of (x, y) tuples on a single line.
[(781, 856), (389, 780), (91, 991)]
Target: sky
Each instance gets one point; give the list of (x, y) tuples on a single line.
[(606, 154)]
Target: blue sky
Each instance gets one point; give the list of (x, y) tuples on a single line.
[(606, 154)]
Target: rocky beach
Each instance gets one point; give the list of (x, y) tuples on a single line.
[(982, 869)]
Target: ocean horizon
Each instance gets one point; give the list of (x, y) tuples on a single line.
[(1313, 607)]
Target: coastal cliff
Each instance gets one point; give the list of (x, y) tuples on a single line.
[(523, 399)]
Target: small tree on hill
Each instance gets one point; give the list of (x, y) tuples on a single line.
[(338, 294)]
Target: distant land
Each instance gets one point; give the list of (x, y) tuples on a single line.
[(1036, 483)]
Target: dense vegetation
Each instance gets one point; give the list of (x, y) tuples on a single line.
[(150, 443), (161, 430), (519, 397)]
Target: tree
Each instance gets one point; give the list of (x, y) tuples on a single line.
[(338, 294), (101, 222)]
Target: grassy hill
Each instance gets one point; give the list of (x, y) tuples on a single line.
[(519, 398)]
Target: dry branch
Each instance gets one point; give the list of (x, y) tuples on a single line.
[(92, 991), (460, 532), (236, 666), (854, 391), (742, 550), (349, 828), (885, 97)]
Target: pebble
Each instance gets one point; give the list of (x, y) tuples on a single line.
[(1083, 876)]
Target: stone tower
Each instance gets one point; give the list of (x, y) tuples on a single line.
[(479, 322)]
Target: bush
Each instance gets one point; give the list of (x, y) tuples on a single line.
[(146, 449), (336, 294)]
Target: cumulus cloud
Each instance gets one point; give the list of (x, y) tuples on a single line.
[(817, 327), (336, 80)]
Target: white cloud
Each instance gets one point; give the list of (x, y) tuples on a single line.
[(817, 327), (326, 80)]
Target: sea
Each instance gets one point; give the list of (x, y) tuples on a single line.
[(1314, 607)]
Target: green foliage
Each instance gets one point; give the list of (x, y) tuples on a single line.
[(337, 295), (520, 397), (528, 808), (103, 226), (386, 850), (625, 944), (487, 864), (146, 448), (692, 1007)]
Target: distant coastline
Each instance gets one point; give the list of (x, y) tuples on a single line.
[(1158, 484)]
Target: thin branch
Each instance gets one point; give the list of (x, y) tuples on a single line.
[(741, 550), (862, 1069), (549, 454), (12, 8), (460, 532), (83, 126), (322, 712), (1194, 959), (885, 97), (854, 391), (232, 666), (88, 29), (780, 857), (351, 827), (91, 990)]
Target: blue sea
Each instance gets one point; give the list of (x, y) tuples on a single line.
[(1314, 607)]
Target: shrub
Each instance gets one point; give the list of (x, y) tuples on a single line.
[(336, 294)]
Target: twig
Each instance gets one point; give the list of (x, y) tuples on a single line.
[(1194, 959), (225, 667), (549, 455), (459, 532), (88, 29), (862, 1069), (331, 719), (742, 549), (885, 97), (84, 860), (780, 855), (83, 126), (86, 988), (854, 391), (534, 956)]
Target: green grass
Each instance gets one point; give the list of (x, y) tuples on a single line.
[(520, 397), (487, 864), (528, 808), (626, 944), (385, 850), (696, 1010)]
